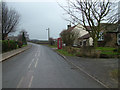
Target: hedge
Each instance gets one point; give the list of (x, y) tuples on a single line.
[(8, 45)]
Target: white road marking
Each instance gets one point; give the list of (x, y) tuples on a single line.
[(38, 54), (36, 63), (35, 54), (30, 83), (18, 86), (30, 64)]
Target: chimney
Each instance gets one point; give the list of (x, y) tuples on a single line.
[(68, 26)]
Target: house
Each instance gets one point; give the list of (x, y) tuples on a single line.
[(109, 37), (79, 30), (85, 40)]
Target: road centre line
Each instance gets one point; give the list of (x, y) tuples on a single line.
[(35, 54), (20, 82), (31, 63), (38, 54), (36, 63), (30, 83)]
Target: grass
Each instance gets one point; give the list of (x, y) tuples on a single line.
[(64, 52), (24, 45), (110, 53), (114, 73), (107, 50), (53, 46)]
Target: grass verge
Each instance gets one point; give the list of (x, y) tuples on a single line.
[(53, 46), (107, 50), (65, 53), (114, 73)]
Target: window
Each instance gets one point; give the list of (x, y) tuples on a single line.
[(80, 43), (119, 35), (101, 36), (84, 43)]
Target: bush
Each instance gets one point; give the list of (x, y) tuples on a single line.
[(71, 50), (119, 50), (13, 44), (8, 45), (5, 46), (19, 44)]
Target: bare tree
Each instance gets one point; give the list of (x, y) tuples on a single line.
[(10, 20), (92, 13), (68, 37)]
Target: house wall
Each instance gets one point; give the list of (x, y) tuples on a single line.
[(79, 29), (90, 41), (110, 40), (118, 39)]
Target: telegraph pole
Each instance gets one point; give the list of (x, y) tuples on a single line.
[(48, 33)]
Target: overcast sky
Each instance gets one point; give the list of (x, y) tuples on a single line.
[(36, 17)]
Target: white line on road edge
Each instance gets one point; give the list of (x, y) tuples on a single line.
[(36, 63), (20, 82), (30, 82), (30, 63)]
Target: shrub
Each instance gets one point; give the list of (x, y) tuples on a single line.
[(5, 46), (12, 44), (89, 52), (19, 44), (8, 45), (71, 50), (119, 50)]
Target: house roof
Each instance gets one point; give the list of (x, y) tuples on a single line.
[(71, 28), (108, 27), (88, 27), (86, 36)]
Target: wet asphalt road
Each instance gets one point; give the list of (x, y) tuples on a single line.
[(41, 67)]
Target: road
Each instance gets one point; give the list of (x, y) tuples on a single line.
[(41, 67)]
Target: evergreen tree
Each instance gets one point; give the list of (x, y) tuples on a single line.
[(24, 39)]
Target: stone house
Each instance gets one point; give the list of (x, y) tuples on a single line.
[(110, 37)]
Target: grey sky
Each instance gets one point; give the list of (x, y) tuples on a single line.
[(36, 17)]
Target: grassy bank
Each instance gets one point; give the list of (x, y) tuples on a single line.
[(107, 50), (65, 53), (52, 46), (115, 74), (99, 52)]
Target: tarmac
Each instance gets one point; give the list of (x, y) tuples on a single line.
[(97, 68)]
